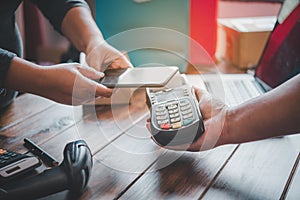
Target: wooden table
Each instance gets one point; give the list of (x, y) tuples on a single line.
[(129, 165)]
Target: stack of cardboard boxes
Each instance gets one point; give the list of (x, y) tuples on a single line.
[(241, 40)]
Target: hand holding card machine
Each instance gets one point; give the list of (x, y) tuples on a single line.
[(175, 115)]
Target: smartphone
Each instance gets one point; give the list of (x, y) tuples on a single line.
[(138, 77)]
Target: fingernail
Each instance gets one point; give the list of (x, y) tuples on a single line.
[(101, 74), (109, 93)]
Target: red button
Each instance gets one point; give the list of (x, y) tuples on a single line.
[(165, 126)]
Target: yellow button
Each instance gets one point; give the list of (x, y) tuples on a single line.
[(176, 125), (2, 151)]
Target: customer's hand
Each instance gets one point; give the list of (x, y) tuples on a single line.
[(71, 84), (101, 56), (214, 113)]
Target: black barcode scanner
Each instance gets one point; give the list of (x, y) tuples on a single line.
[(72, 174)]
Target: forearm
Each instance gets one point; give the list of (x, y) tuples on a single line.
[(23, 76), (81, 29), (272, 114)]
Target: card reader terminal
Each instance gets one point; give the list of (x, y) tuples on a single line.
[(175, 115)]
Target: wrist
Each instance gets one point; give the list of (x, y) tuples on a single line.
[(93, 43), (226, 134), (23, 76), (40, 79), (80, 28)]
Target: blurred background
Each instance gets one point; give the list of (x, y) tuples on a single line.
[(201, 20)]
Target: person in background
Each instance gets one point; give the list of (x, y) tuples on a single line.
[(73, 19)]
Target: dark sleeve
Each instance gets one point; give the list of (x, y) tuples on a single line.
[(5, 60), (55, 10)]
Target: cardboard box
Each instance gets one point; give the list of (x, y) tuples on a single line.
[(242, 40)]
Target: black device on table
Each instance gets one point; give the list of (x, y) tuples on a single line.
[(72, 174), (13, 164), (175, 115)]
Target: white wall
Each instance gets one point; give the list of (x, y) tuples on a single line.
[(229, 9)]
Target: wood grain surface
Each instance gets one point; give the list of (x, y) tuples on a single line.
[(129, 165)]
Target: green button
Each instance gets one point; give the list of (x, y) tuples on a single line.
[(187, 121)]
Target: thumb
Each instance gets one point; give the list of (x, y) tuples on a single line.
[(91, 73)]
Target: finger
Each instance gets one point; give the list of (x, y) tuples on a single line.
[(94, 63), (125, 58), (117, 65), (128, 63), (202, 95), (90, 73), (183, 147), (94, 89), (199, 92), (91, 101), (205, 102), (126, 55), (196, 146), (80, 101), (121, 62), (102, 90), (148, 126)]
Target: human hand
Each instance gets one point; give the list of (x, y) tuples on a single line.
[(71, 84), (102, 56), (214, 113)]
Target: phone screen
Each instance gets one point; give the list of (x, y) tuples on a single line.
[(138, 77)]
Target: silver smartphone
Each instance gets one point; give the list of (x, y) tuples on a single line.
[(138, 77)]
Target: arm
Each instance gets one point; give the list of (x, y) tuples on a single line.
[(64, 83), (73, 19), (81, 29), (5, 60), (272, 114)]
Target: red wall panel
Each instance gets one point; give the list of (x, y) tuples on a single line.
[(203, 29)]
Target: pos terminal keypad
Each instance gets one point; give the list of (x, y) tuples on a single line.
[(175, 116)]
